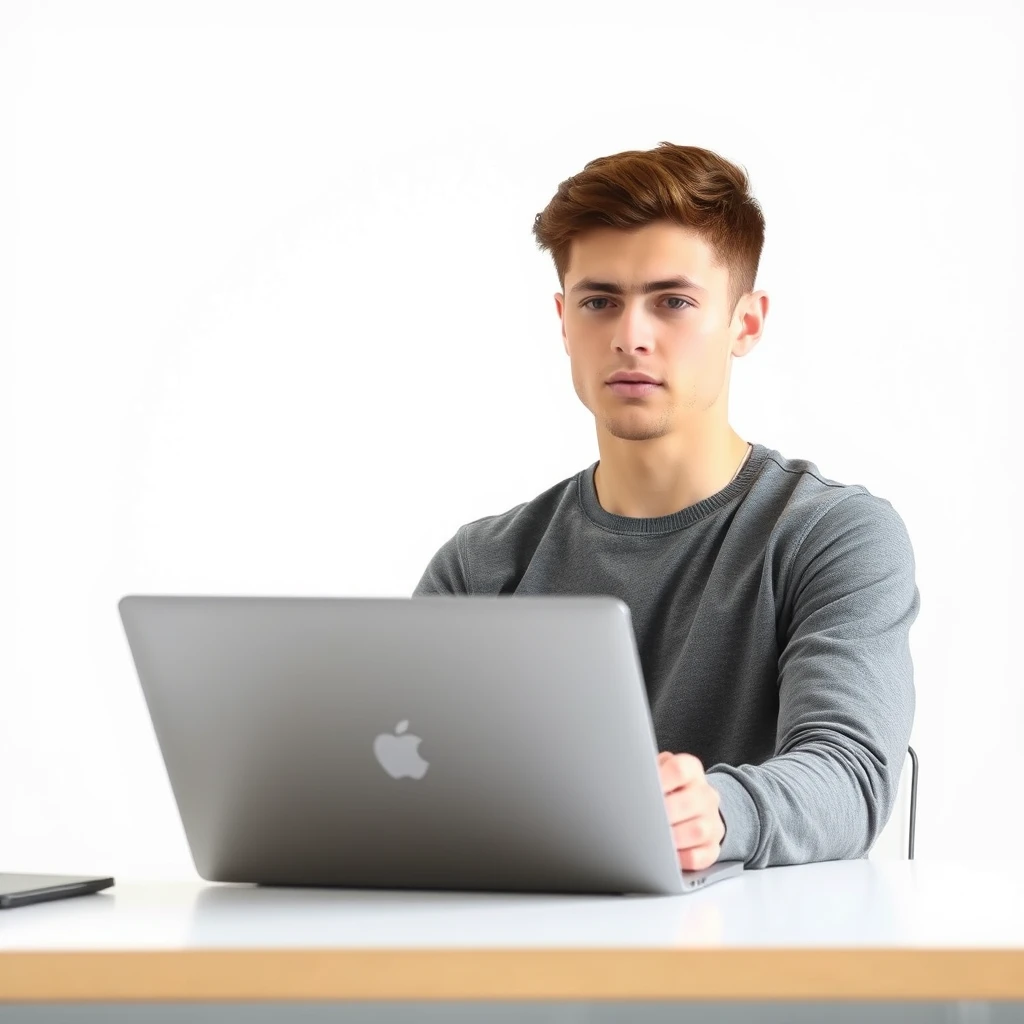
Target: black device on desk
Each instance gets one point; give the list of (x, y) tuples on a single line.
[(20, 890)]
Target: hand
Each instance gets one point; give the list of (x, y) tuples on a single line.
[(692, 804)]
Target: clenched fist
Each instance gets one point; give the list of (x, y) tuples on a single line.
[(692, 803)]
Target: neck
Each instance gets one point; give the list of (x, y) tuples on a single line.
[(647, 479)]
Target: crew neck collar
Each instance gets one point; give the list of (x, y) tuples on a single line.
[(644, 525)]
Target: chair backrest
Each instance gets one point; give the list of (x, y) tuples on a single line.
[(913, 801), (896, 841)]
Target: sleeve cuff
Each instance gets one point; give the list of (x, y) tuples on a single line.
[(742, 824)]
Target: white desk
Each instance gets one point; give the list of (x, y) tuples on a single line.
[(859, 930)]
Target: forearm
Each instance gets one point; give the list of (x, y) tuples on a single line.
[(846, 698), (825, 801)]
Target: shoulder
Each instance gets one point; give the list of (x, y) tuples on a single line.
[(523, 519), (500, 546), (829, 523), (488, 554), (815, 503)]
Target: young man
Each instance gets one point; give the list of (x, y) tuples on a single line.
[(771, 605)]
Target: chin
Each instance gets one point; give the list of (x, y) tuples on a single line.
[(636, 431)]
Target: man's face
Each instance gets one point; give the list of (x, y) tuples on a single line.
[(681, 335)]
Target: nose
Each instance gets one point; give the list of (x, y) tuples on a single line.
[(633, 331), (633, 340)]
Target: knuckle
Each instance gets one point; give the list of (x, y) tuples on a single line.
[(691, 834), (694, 860), (680, 808), (709, 854)]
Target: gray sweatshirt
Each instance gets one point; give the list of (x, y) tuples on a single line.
[(772, 620)]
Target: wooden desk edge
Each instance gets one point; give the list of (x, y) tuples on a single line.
[(511, 974)]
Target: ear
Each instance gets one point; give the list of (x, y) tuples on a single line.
[(751, 313), (559, 308)]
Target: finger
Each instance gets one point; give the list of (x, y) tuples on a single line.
[(684, 804), (702, 831), (692, 801), (699, 857), (679, 771)]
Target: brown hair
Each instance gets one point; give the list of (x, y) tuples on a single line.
[(686, 185)]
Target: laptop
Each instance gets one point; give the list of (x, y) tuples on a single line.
[(440, 742)]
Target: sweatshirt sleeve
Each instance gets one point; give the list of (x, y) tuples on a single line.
[(846, 697), (447, 572)]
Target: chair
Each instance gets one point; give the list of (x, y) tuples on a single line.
[(913, 800), (897, 840)]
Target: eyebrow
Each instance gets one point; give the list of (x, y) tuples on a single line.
[(588, 284)]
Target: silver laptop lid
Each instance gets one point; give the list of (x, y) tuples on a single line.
[(457, 742)]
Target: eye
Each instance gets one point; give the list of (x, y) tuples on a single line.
[(675, 298)]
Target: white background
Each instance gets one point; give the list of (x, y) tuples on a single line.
[(273, 322)]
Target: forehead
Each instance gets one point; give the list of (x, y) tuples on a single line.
[(640, 254)]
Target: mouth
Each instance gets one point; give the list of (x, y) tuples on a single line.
[(633, 388)]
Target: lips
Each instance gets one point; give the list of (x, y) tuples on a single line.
[(631, 378), (632, 389)]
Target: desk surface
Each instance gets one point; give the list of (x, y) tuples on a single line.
[(858, 929)]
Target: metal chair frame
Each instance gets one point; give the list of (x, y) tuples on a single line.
[(913, 799)]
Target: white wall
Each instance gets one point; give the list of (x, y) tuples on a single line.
[(273, 321)]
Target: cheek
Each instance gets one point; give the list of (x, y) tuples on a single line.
[(699, 351), (700, 341), (581, 377), (698, 368)]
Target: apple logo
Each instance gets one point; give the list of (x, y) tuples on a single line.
[(398, 753)]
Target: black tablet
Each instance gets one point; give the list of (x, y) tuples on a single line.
[(19, 890)]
